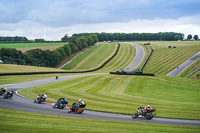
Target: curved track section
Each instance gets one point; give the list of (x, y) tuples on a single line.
[(183, 66), (138, 59), (20, 103)]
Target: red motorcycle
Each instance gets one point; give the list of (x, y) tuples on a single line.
[(77, 108), (146, 113)]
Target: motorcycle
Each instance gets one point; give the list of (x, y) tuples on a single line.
[(2, 92), (40, 98), (77, 108), (61, 103), (142, 113), (8, 94)]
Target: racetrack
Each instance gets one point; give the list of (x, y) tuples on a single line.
[(184, 65), (138, 59), (25, 104)]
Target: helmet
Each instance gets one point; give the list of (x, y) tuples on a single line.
[(45, 95), (148, 106), (80, 100), (65, 98), (4, 88)]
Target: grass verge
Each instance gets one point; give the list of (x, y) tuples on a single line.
[(9, 68), (18, 121)]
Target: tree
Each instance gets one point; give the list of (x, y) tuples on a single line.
[(39, 40), (196, 37), (189, 37), (177, 37), (73, 47), (67, 49), (66, 38), (95, 38)]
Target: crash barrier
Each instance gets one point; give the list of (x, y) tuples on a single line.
[(132, 73), (192, 72), (32, 73), (141, 69)]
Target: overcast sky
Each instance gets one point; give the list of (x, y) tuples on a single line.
[(30, 18)]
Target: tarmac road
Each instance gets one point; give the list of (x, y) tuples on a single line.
[(24, 104), (183, 66), (139, 57)]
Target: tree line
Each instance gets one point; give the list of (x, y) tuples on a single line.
[(13, 39), (161, 36), (46, 58)]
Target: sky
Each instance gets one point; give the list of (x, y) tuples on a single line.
[(52, 19)]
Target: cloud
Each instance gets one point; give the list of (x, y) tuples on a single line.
[(59, 17), (34, 30)]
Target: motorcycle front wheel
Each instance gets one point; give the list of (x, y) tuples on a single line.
[(134, 116)]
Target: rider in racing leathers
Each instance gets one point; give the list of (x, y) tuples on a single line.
[(144, 109), (4, 89), (59, 101)]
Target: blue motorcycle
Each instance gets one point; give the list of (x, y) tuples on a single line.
[(61, 103)]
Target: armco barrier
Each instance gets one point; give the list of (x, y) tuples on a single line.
[(134, 73), (146, 61), (32, 73), (192, 72)]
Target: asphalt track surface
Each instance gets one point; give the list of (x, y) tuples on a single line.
[(21, 103), (183, 66), (138, 59)]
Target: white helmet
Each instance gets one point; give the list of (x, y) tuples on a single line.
[(80, 100), (45, 95), (148, 106)]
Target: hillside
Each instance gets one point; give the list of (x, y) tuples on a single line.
[(164, 59)]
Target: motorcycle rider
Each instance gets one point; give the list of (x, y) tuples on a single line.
[(4, 89), (80, 102), (41, 96), (59, 101), (144, 109)]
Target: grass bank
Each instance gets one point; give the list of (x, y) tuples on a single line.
[(173, 97), (9, 68), (96, 56), (21, 122), (164, 59)]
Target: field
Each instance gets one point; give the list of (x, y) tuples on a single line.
[(30, 45), (172, 97), (93, 58), (96, 56), (34, 122), (164, 59), (7, 68)]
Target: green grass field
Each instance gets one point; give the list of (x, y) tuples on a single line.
[(96, 56), (164, 59), (8, 68), (92, 58), (21, 122), (173, 97), (30, 45), (124, 57)]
